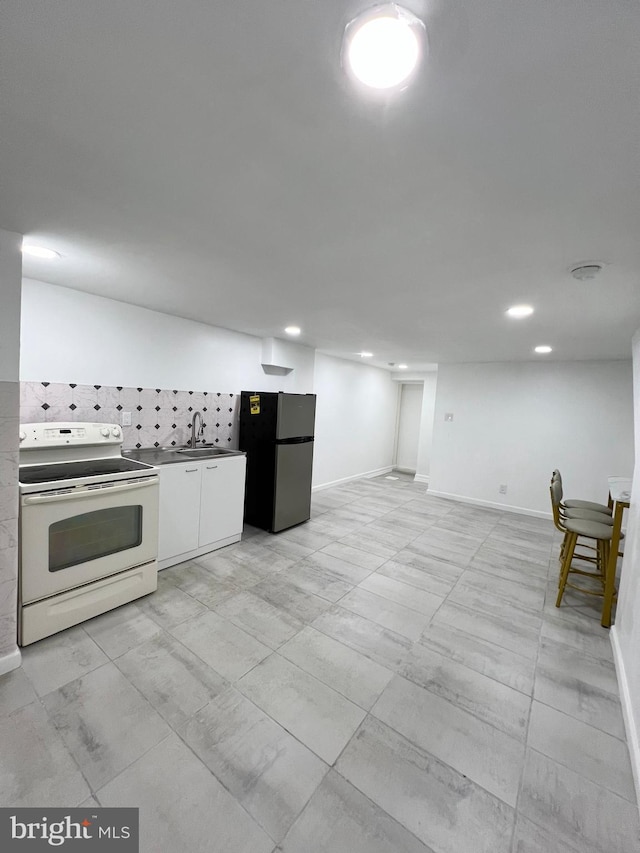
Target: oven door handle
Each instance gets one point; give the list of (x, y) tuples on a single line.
[(89, 493)]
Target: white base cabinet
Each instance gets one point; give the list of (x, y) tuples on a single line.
[(221, 499), (201, 507), (179, 516)]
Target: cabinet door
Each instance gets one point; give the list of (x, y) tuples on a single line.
[(222, 501), (179, 509), (292, 502)]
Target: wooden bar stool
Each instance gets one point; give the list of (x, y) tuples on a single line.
[(597, 532), (562, 514)]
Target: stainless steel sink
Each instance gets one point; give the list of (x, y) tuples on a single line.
[(203, 452)]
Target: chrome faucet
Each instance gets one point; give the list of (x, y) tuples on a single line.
[(194, 436)]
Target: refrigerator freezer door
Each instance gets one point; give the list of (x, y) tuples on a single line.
[(296, 415), (294, 463)]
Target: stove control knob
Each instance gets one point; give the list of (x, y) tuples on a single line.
[(105, 432), (23, 435), (115, 431)]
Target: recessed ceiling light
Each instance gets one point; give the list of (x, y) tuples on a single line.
[(39, 252), (383, 46), (585, 272), (402, 366), (543, 350), (519, 311), (366, 355), (293, 330)]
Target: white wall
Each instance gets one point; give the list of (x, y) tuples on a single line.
[(425, 444), (69, 336), (514, 423), (355, 420), (10, 275), (409, 426), (625, 634)]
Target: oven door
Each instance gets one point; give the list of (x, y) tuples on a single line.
[(75, 538)]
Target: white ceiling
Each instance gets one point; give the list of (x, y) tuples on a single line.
[(212, 160)]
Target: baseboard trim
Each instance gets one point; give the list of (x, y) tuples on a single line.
[(633, 736), (521, 510), (10, 661), (367, 475), (421, 478)]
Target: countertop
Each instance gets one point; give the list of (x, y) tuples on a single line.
[(169, 456)]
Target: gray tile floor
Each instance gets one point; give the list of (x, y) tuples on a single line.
[(392, 677)]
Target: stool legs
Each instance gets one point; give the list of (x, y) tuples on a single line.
[(569, 548), (584, 557)]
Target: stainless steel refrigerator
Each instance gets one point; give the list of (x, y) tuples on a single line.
[(276, 433)]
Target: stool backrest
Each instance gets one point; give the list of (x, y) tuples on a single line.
[(555, 490), (556, 481)]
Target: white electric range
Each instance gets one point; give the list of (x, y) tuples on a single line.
[(88, 526)]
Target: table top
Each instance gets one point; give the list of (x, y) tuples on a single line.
[(620, 489)]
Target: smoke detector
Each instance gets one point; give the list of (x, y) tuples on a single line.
[(585, 272)]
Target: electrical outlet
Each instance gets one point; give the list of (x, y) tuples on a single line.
[(126, 418), (503, 489)]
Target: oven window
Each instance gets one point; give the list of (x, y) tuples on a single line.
[(93, 535)]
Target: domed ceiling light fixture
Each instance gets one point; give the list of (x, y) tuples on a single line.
[(383, 47)]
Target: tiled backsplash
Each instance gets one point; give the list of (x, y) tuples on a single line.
[(159, 417)]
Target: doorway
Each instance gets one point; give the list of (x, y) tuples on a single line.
[(408, 434)]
